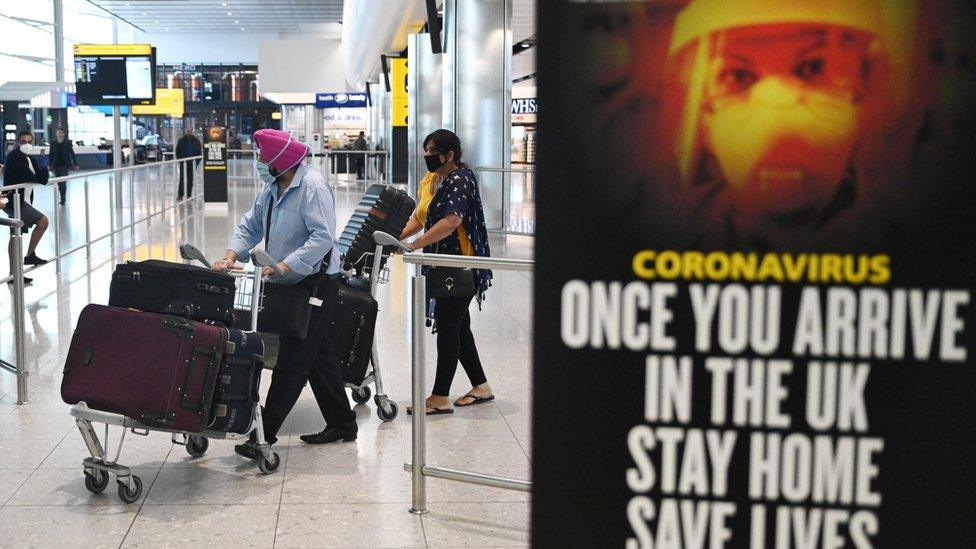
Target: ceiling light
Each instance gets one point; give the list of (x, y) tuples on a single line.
[(236, 22), (229, 13), (223, 3), (242, 28)]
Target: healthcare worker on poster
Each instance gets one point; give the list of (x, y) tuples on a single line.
[(779, 102)]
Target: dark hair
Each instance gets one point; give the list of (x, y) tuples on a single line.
[(22, 133), (445, 141)]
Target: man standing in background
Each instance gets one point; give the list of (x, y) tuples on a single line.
[(188, 146), (61, 158), (360, 145)]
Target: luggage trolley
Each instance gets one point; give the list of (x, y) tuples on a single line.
[(103, 463), (378, 273)]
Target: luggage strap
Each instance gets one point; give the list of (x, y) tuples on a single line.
[(213, 366)]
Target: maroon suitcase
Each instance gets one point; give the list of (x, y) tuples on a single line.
[(160, 370)]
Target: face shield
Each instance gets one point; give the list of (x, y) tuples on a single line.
[(775, 105)]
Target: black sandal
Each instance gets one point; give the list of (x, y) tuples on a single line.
[(432, 410), (476, 400)]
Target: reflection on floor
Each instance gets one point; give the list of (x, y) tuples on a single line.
[(350, 495)]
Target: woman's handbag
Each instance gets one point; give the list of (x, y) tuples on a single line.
[(450, 282)]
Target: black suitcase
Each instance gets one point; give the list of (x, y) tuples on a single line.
[(382, 208), (236, 391), (351, 336), (173, 288)]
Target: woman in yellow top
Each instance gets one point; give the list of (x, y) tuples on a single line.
[(450, 212)]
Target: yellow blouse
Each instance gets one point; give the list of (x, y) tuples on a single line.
[(425, 195)]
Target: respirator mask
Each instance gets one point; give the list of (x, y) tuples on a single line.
[(782, 146), (264, 169)]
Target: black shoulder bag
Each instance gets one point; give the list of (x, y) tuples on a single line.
[(287, 308), (447, 282)]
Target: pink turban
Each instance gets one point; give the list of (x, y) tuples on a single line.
[(278, 149)]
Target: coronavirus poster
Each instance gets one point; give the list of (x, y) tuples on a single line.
[(755, 263)]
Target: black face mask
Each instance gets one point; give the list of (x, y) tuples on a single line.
[(434, 162)]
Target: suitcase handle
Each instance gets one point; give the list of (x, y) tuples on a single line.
[(213, 367), (212, 289)]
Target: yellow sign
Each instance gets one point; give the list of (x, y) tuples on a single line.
[(276, 115), (112, 49), (168, 102), (398, 89)]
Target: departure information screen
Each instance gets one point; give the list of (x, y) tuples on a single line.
[(114, 74)]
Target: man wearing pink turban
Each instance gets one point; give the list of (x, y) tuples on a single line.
[(294, 214)]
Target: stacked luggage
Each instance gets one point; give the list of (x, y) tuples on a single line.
[(166, 353), (385, 209), (163, 356)]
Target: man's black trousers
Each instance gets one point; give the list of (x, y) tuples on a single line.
[(310, 360)]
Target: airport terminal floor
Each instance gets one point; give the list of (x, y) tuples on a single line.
[(353, 494)]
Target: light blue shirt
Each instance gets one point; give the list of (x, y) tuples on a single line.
[(303, 226)]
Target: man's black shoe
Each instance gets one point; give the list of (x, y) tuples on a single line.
[(27, 281), (248, 449), (32, 259), (331, 434)]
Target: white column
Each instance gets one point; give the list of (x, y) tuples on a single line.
[(58, 41), (424, 103), (477, 91)]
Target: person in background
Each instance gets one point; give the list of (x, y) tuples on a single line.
[(360, 145), (294, 214), (21, 168), (187, 147), (61, 157), (450, 212)]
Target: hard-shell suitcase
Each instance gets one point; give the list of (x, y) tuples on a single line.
[(174, 288), (157, 369), (351, 335), (382, 208), (237, 386)]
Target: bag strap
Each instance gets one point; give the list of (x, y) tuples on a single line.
[(267, 223)]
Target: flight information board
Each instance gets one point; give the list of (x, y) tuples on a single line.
[(114, 74)]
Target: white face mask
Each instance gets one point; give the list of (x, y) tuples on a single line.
[(24, 147), (782, 148)]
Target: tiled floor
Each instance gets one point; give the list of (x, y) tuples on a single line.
[(349, 495)]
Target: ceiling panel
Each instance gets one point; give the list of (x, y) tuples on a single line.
[(224, 16)]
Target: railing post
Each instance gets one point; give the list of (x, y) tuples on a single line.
[(57, 228), (88, 253), (418, 381), (132, 216), (111, 216), (20, 335)]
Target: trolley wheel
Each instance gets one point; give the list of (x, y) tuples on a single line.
[(96, 481), (130, 496), (197, 446), (361, 395), (382, 413), (268, 467)]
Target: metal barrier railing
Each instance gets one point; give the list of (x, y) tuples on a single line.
[(524, 226), (418, 466), (375, 165), (116, 197), (332, 164)]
